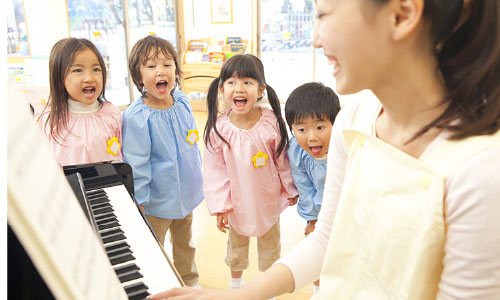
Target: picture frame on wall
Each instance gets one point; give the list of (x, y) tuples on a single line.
[(221, 11)]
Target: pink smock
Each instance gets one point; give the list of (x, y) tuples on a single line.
[(85, 140), (235, 182)]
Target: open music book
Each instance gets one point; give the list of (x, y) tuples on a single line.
[(46, 217)]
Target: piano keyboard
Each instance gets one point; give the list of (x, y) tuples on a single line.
[(133, 251)]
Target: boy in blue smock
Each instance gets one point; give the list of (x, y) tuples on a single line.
[(159, 142), (310, 112)]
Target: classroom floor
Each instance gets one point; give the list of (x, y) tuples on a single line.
[(210, 243)]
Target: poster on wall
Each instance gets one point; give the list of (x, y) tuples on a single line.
[(17, 31), (221, 11)]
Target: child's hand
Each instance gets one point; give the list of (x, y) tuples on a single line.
[(222, 222), (310, 227), (293, 200)]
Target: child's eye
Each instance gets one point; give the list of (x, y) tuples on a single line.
[(150, 66), (97, 69), (168, 65), (320, 127), (301, 130), (77, 70), (248, 82), (229, 82)]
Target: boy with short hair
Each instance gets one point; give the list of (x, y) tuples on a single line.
[(310, 112)]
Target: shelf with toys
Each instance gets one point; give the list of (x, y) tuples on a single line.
[(202, 62)]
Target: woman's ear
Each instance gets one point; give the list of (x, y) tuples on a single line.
[(406, 16)]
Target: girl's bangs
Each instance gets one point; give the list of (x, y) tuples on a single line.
[(241, 68)]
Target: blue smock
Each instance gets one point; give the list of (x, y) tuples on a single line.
[(166, 167), (309, 177)]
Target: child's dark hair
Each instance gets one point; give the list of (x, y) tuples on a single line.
[(61, 58), (467, 42), (313, 100), (147, 48), (243, 66)]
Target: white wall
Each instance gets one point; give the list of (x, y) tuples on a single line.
[(198, 24), (46, 23)]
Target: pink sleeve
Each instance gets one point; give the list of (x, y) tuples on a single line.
[(288, 189), (472, 249), (119, 135), (216, 185)]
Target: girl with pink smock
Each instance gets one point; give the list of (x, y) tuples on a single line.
[(247, 179), (80, 125)]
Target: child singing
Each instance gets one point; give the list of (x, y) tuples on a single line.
[(159, 142), (247, 177), (81, 126)]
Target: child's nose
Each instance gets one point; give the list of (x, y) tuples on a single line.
[(162, 71), (239, 86), (312, 136), (89, 77)]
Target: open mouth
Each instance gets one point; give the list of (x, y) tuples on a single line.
[(240, 102), (316, 150), (89, 90), (162, 86)]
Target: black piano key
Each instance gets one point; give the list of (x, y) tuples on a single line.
[(128, 272), (96, 192), (130, 275), (122, 249), (97, 196), (98, 200), (108, 225), (121, 258), (126, 268), (112, 235), (137, 291), (102, 210), (105, 233), (140, 295), (113, 238), (119, 245), (100, 206), (105, 218)]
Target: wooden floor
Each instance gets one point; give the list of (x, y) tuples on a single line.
[(210, 243)]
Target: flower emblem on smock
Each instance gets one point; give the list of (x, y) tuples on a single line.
[(259, 160), (192, 136), (113, 146)]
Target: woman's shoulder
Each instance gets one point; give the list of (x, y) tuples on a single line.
[(358, 114)]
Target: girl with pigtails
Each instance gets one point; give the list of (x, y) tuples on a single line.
[(247, 177)]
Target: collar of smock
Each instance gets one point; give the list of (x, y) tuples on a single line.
[(322, 158), (81, 109)]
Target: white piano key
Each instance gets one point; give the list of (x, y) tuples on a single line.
[(157, 272)]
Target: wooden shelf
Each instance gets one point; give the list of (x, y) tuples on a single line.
[(198, 76)]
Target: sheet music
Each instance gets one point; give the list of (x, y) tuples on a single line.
[(46, 217)]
